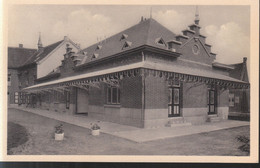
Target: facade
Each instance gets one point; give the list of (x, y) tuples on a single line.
[(239, 106), (145, 76), (26, 66), (16, 58)]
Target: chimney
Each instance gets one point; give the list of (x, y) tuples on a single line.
[(20, 45), (244, 59), (142, 19)]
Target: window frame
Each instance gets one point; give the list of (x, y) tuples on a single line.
[(9, 78), (112, 96)]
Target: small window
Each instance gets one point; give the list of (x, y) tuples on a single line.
[(124, 36), (94, 56), (16, 97), (160, 41), (9, 79), (113, 95), (99, 47), (67, 99), (127, 44)]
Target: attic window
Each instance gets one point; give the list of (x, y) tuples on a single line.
[(124, 36), (160, 41), (127, 44), (99, 47), (94, 56)]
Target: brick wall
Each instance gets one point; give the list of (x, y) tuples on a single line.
[(194, 95), (14, 85), (27, 76), (131, 92), (244, 101), (156, 93)]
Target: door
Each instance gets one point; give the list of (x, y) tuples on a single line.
[(82, 101), (211, 101), (174, 102)]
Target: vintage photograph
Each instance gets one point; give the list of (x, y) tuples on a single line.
[(150, 80)]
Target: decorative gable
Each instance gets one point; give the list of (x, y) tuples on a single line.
[(195, 50)]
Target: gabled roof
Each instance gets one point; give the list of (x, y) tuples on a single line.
[(144, 33), (240, 72), (42, 53), (17, 56)]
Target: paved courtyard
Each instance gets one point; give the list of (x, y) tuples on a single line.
[(137, 134), (79, 141)]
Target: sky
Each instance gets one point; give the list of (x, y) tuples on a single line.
[(227, 28)]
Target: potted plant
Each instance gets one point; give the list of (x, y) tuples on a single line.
[(95, 129), (59, 132)]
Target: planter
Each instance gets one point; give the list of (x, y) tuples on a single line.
[(59, 137), (95, 132)]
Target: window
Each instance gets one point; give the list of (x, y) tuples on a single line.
[(9, 79), (67, 99), (160, 41), (94, 56), (231, 100), (127, 44), (27, 82), (113, 95), (211, 101), (16, 97), (124, 36)]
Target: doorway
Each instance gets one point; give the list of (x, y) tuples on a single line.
[(174, 102), (211, 101), (82, 101)]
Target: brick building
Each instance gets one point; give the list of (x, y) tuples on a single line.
[(145, 76), (26, 66), (16, 58)]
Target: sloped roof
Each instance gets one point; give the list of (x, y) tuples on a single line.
[(18, 56), (144, 33), (40, 54), (239, 72)]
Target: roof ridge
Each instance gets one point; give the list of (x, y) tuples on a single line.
[(53, 43), (116, 34), (148, 31), (23, 48)]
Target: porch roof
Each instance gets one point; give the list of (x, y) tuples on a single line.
[(147, 65)]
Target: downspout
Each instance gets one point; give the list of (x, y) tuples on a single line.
[(143, 91)]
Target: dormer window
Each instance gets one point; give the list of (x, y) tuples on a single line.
[(127, 44), (124, 36), (99, 47), (94, 56), (85, 52), (160, 41)]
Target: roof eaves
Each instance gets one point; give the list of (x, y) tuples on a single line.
[(143, 47), (220, 65)]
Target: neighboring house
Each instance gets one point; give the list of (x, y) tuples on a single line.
[(145, 76), (48, 58), (16, 57), (34, 65), (239, 99)]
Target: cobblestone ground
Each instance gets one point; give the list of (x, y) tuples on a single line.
[(79, 141)]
